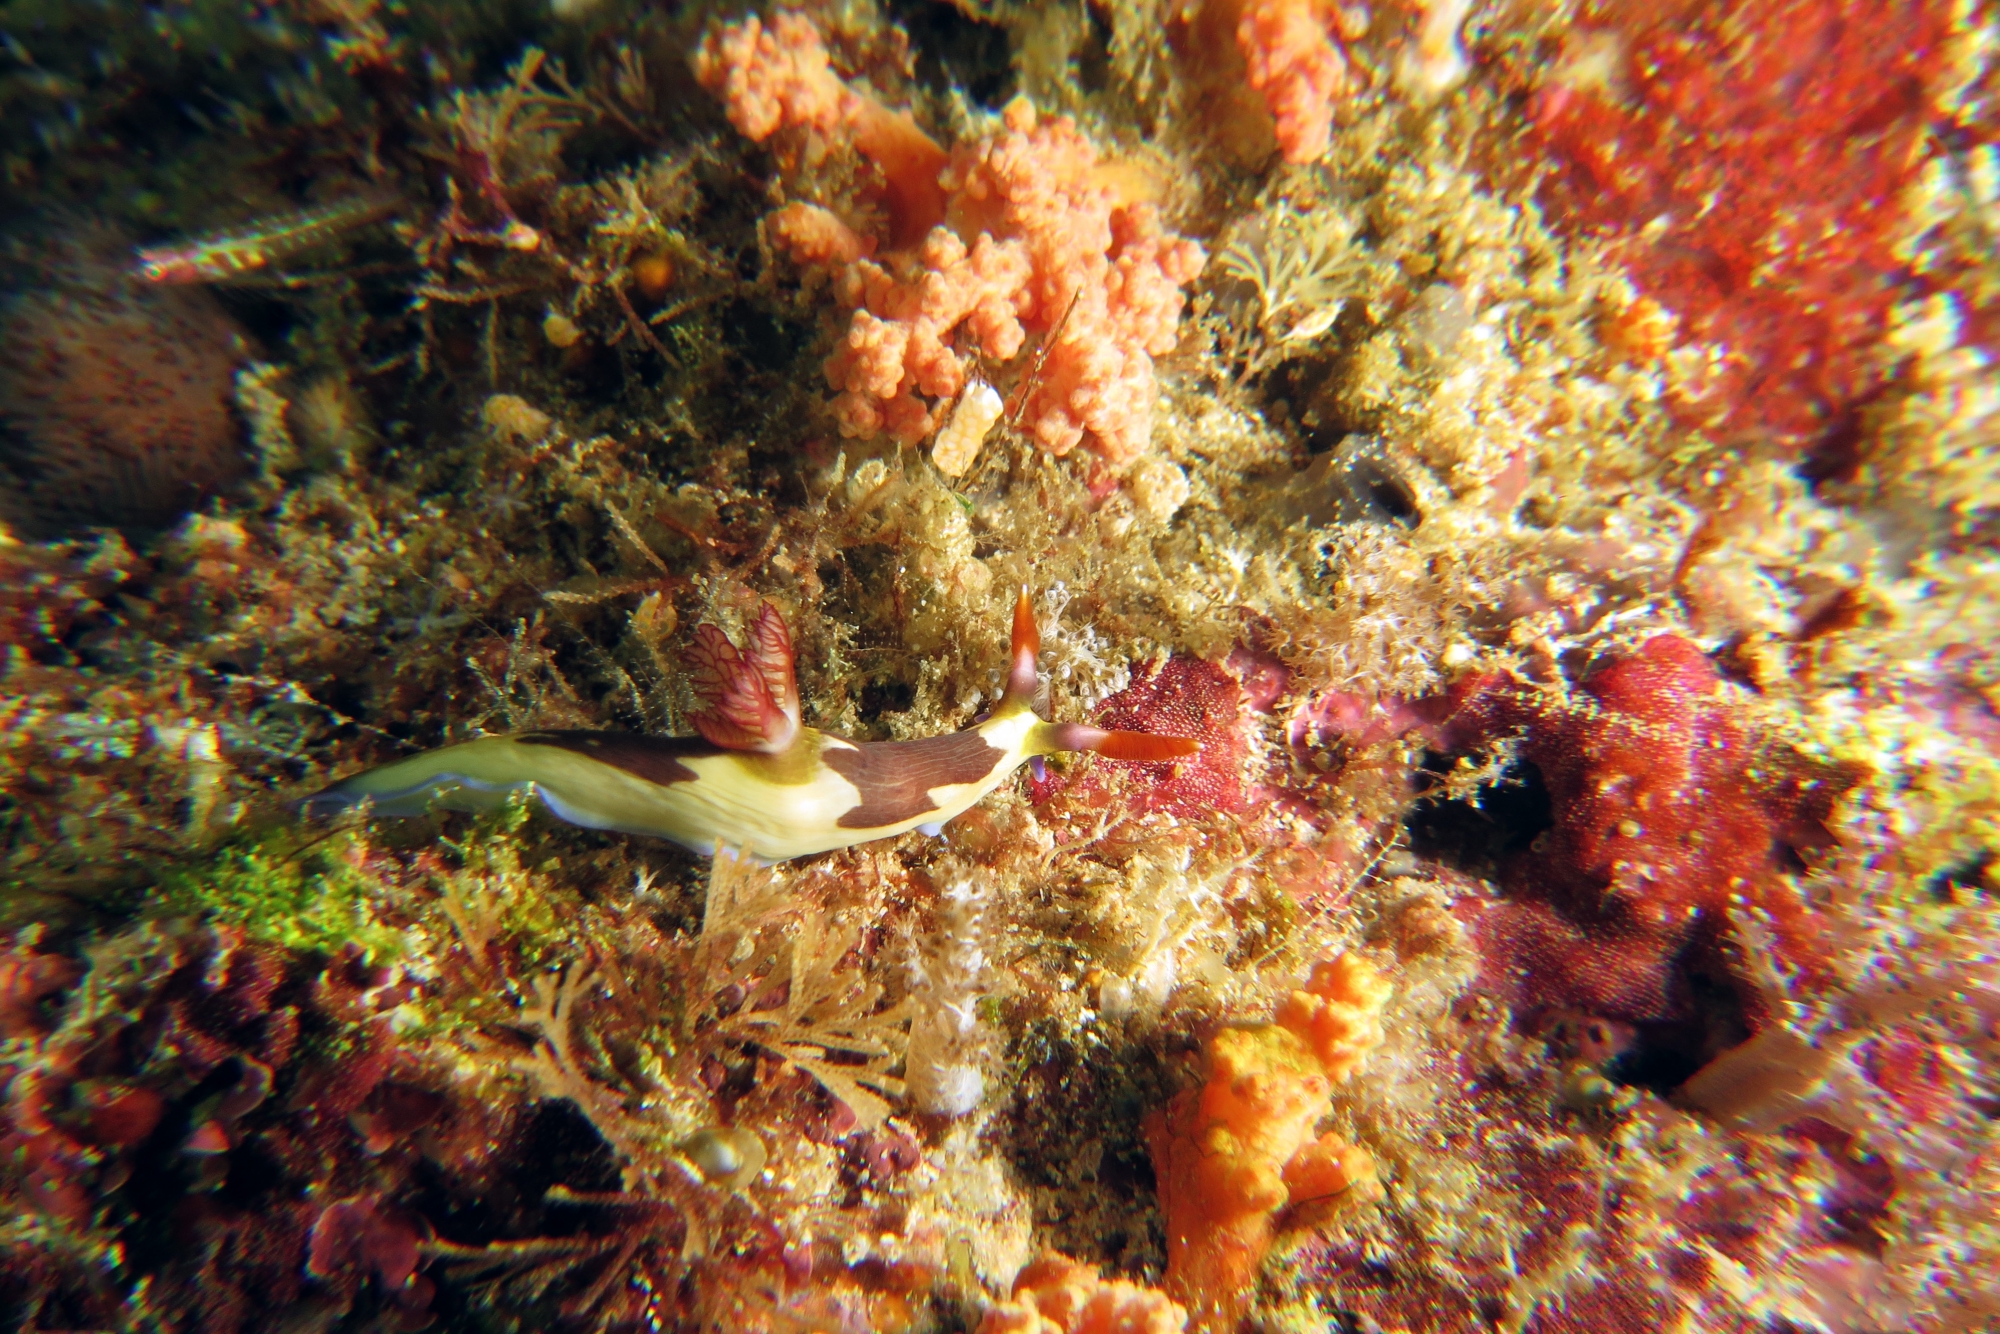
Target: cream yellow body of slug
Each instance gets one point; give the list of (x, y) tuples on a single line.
[(756, 782), (771, 807)]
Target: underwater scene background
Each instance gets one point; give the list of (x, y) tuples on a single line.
[(1546, 453)]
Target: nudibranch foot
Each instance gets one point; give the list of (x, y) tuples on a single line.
[(756, 779)]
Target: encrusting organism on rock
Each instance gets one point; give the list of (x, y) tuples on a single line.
[(1299, 67), (780, 78), (1056, 1295), (1027, 231), (1235, 1152), (1670, 818), (1759, 221), (756, 782)]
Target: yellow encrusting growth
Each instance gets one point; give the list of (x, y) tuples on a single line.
[(1236, 1152)]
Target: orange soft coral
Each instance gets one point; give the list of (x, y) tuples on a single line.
[(816, 238), (780, 78), (1233, 1153), (1056, 1295), (1043, 239), (1298, 66)]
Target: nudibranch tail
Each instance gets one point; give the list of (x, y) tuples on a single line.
[(1023, 675), (749, 697), (601, 780)]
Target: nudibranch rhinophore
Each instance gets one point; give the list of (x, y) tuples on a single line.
[(755, 782)]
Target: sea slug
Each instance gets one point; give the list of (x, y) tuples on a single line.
[(756, 782)]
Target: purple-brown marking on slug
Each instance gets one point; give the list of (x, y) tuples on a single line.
[(895, 778), (656, 759)]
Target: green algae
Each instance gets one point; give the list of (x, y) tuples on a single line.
[(317, 897)]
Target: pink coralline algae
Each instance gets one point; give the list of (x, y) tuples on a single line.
[(1667, 811), (359, 1238), (200, 1082), (1667, 814)]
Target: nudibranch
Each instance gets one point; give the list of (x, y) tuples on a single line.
[(755, 782)]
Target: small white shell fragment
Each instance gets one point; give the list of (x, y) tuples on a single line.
[(959, 439), (725, 1155)]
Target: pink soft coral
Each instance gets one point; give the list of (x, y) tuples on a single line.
[(897, 345), (1043, 238), (816, 237), (1055, 249), (780, 78), (1294, 61)]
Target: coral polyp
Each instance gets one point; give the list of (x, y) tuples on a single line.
[(1484, 815)]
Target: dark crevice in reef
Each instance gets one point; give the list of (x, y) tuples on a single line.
[(956, 50), (1663, 1056), (1074, 1137), (1480, 835)]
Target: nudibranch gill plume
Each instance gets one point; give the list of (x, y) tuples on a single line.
[(755, 782)]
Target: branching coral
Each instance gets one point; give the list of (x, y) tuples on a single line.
[(1234, 1153)]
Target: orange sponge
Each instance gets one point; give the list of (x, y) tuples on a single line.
[(1056, 1295), (1233, 1153)]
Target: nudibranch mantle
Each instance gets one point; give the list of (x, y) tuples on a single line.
[(756, 782)]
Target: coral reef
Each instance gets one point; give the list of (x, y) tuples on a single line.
[(1564, 511)]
